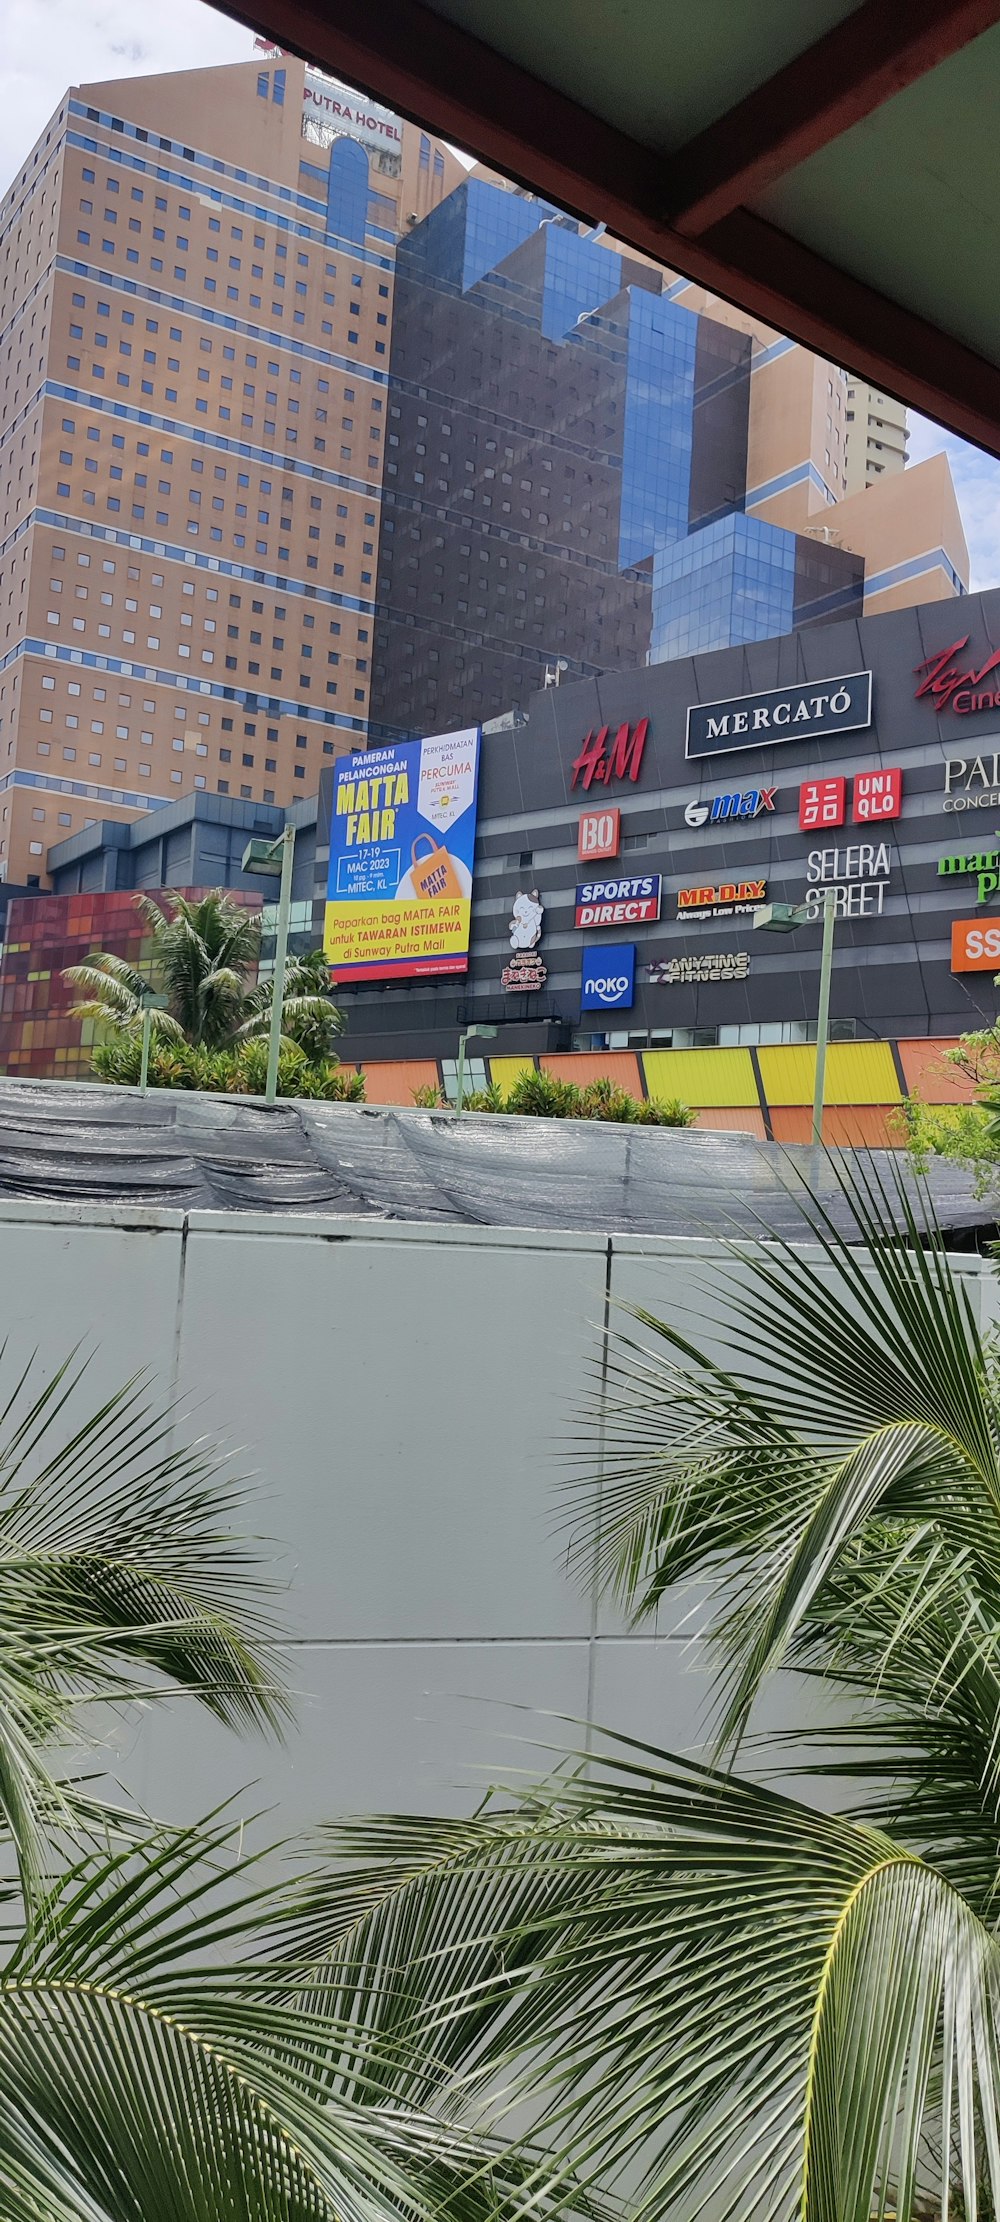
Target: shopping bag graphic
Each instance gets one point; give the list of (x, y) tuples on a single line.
[(434, 877)]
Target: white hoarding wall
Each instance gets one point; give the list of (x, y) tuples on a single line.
[(404, 1396)]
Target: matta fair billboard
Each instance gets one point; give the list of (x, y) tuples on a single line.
[(402, 843)]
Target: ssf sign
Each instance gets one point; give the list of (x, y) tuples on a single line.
[(402, 836)]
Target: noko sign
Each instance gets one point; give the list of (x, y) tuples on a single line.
[(800, 713), (607, 981)]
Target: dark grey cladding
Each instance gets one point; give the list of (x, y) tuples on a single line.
[(892, 973)]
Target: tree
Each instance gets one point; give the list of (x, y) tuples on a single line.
[(309, 1017), (758, 2007), (160, 2060), (968, 1133), (204, 963)]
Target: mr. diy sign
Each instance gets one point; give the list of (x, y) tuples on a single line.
[(726, 900)]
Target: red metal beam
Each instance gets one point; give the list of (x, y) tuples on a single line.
[(425, 67), (862, 62)]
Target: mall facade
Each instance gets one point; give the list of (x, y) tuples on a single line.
[(654, 813), (641, 822)]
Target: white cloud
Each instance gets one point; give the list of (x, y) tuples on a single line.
[(50, 44), (977, 484)]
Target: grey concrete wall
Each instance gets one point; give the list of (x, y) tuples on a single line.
[(405, 1396)]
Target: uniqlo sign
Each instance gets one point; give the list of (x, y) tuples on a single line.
[(876, 795), (822, 802), (599, 833)]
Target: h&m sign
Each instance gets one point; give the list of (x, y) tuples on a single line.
[(603, 758)]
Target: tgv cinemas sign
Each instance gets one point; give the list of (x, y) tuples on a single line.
[(800, 713)]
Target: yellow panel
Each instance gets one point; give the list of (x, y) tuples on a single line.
[(505, 1070), (787, 1074), (861, 1072), (856, 1072), (702, 1077)]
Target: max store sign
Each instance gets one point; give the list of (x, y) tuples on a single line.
[(801, 713)]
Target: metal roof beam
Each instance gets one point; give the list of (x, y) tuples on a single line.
[(874, 53), (427, 68)]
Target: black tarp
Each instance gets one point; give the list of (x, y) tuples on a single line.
[(80, 1143)]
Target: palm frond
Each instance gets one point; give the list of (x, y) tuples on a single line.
[(149, 2068), (879, 1405), (689, 1976), (118, 1554)]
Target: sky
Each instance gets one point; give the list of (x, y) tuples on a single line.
[(49, 44), (977, 484)]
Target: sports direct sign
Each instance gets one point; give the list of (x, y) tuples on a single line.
[(607, 981), (634, 902)]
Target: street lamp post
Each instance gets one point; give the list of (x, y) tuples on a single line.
[(270, 858), (472, 1033), (150, 1003), (783, 918)]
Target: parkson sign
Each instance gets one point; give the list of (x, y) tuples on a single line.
[(800, 713)]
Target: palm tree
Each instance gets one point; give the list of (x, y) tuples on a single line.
[(204, 962), (160, 2061), (309, 1016), (749, 2004), (116, 1561)]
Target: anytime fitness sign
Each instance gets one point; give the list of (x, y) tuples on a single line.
[(802, 713)]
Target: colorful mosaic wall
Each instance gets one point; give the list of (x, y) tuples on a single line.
[(38, 1038)]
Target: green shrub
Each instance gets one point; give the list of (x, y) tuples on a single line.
[(601, 1099), (486, 1099), (240, 1071), (669, 1112), (428, 1097), (539, 1095)]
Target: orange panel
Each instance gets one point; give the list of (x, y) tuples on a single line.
[(733, 1122), (395, 1083), (928, 1075), (860, 1126), (864, 1126), (583, 1065), (791, 1122)]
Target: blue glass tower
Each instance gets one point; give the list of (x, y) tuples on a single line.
[(566, 470)]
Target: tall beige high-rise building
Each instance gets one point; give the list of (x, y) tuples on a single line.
[(875, 435), (196, 277), (803, 474)]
